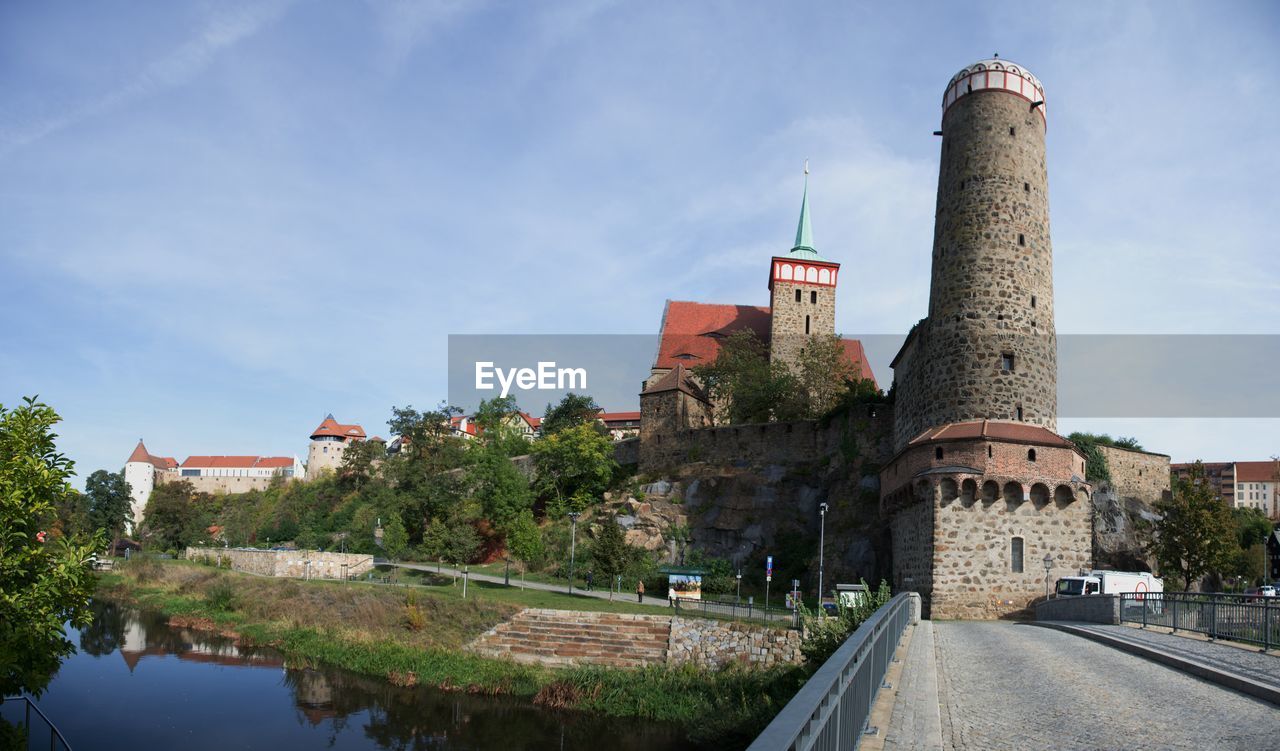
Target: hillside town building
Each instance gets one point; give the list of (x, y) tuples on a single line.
[(1241, 484)]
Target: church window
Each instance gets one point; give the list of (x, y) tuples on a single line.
[(824, 277), (806, 324), (1022, 240), (1015, 555), (813, 298), (937, 453), (797, 295), (1006, 361), (1013, 131), (1031, 455)]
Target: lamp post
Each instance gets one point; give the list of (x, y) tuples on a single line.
[(739, 577), (573, 545), (1048, 566), (822, 534)]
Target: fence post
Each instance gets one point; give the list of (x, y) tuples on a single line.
[(1266, 624), (1144, 613), (1213, 616), (1173, 616)]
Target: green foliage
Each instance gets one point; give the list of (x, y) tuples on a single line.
[(453, 540), (524, 541), (1252, 526), (498, 434), (73, 515), (44, 583), (720, 575), (575, 466), (824, 634), (221, 595), (500, 488), (395, 541), (572, 411), (108, 497), (177, 516), (610, 553), (1196, 534), (1097, 470)]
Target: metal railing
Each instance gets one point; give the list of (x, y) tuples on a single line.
[(44, 734), (736, 610), (1250, 619), (830, 712)]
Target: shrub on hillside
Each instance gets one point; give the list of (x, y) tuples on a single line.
[(823, 634)]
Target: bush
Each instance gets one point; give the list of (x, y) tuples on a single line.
[(221, 595), (415, 619), (824, 634)]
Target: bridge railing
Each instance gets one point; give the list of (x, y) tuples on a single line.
[(41, 732), (830, 712), (1250, 619)]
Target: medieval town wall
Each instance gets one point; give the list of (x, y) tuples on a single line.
[(299, 564), (1137, 474)]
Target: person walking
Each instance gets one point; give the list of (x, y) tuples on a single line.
[(589, 577), (640, 590)]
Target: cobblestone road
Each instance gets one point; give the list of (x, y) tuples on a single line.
[(1006, 686)]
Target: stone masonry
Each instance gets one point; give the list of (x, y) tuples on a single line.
[(799, 311), (298, 564)]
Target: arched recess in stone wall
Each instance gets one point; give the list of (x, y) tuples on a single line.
[(1013, 492), (968, 492), (1040, 495), (950, 491), (924, 491), (990, 491), (1063, 496)]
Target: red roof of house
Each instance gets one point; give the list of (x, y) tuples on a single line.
[(678, 379), (331, 427), (1257, 471), (140, 454), (534, 422), (238, 462), (692, 332), (998, 430), (618, 416)]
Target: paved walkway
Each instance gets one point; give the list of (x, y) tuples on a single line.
[(917, 720), (1004, 685), (1243, 660)]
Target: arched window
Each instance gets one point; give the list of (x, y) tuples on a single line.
[(988, 451), (824, 276), (786, 271), (1031, 455), (1015, 555), (937, 453)]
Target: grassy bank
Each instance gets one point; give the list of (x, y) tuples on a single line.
[(414, 635)]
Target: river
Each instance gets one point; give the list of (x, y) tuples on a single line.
[(137, 683)]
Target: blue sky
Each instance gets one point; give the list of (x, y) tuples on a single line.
[(220, 221)]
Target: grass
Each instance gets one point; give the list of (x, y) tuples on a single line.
[(414, 635), (449, 588)]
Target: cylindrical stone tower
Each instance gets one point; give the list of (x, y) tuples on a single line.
[(988, 348)]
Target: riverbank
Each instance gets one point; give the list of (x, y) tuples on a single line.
[(413, 635)]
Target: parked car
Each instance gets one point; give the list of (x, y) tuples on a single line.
[(1256, 594)]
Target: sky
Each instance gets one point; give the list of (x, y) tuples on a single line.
[(220, 221)]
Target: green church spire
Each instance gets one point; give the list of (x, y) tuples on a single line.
[(804, 231)]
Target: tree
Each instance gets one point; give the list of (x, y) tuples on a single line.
[(109, 500), (497, 433), (178, 516), (43, 583), (574, 466), (1252, 527), (524, 540), (1098, 470), (359, 463), (823, 372), (73, 515), (572, 411), (610, 553), (395, 541), (742, 383), (501, 489), (1195, 534)]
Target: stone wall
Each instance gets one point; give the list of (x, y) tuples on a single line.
[(788, 336), (1089, 609), (714, 644), (298, 564), (1125, 505), (627, 451), (911, 535), (865, 430), (1137, 474), (221, 485)]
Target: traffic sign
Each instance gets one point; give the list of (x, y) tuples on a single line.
[(768, 568)]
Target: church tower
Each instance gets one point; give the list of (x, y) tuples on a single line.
[(802, 292)]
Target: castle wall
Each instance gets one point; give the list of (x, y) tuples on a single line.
[(324, 455), (1137, 474), (296, 564), (912, 537), (221, 484)]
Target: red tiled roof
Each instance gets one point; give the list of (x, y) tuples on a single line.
[(1257, 471), (331, 427), (692, 332), (618, 416), (678, 379), (997, 430), (534, 422), (237, 462), (140, 454)]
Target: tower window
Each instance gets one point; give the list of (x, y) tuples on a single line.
[(1022, 239), (1019, 413), (962, 185), (797, 295), (1031, 455), (806, 324), (1033, 301), (1006, 361), (1013, 131), (813, 298), (1015, 555), (1026, 187), (937, 453), (988, 451)]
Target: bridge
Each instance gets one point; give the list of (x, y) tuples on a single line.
[(1043, 685)]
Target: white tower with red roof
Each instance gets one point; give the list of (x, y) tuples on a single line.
[(328, 443), (140, 471)]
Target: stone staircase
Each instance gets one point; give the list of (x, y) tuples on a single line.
[(560, 638)]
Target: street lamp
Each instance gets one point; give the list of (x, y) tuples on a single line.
[(573, 544), (1048, 566), (739, 577), (822, 534)]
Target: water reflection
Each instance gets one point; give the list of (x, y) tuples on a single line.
[(192, 689)]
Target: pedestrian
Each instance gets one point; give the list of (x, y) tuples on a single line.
[(640, 591), (589, 576)]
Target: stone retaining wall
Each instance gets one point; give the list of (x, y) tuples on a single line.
[(298, 564), (714, 644), (1088, 608)]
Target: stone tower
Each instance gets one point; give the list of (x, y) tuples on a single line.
[(987, 349), (986, 502), (802, 292)]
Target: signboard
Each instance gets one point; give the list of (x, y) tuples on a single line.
[(768, 568), (684, 586)]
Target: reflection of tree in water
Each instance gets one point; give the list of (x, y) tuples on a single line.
[(418, 719), (105, 634)]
